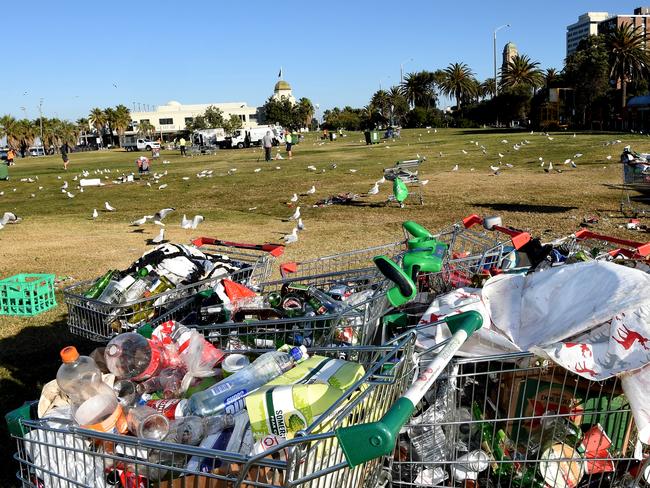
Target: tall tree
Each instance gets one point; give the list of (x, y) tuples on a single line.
[(97, 118), (232, 124), (213, 117), (551, 76), (110, 121), (521, 70), (380, 102), (487, 89), (8, 128), (628, 58), (459, 82), (122, 119), (419, 88), (399, 106), (146, 128), (306, 110)]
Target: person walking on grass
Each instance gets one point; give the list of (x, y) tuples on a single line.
[(182, 143), (64, 155), (11, 154), (289, 141), (267, 144)]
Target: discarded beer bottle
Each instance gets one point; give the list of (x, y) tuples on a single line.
[(99, 285)]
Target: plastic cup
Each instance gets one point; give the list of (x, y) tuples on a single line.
[(233, 363), (102, 413), (126, 392), (147, 423)]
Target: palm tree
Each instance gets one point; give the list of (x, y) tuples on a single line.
[(418, 88), (628, 58), (121, 119), (459, 82), (8, 129), (551, 76), (306, 110), (398, 104), (146, 128), (520, 70), (110, 121), (97, 118), (488, 88), (381, 103)]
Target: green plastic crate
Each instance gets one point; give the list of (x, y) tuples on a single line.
[(27, 411), (27, 294)]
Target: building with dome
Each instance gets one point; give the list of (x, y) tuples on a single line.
[(282, 91), (509, 51), (172, 118)]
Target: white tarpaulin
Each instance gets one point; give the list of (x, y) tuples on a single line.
[(592, 318)]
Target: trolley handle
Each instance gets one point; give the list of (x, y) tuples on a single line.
[(519, 238), (274, 250), (364, 442), (640, 248)]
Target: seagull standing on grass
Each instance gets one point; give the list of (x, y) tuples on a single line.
[(296, 214), (95, 213), (293, 237), (159, 238), (108, 207)]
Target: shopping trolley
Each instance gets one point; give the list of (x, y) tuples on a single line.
[(599, 246), (636, 179), (100, 321), (356, 320), (473, 236), (56, 454), (516, 420)]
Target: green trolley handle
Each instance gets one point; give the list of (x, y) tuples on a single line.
[(361, 443)]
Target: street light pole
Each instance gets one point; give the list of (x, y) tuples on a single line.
[(40, 111), (401, 69), (496, 83)]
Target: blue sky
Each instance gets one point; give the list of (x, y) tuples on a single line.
[(71, 53)]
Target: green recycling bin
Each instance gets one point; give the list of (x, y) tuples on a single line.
[(4, 171)]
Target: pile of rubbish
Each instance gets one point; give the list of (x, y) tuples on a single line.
[(260, 382), (176, 387)]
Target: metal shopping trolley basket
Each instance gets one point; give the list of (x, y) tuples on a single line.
[(598, 246), (472, 236), (100, 321), (355, 317), (515, 420), (56, 454)]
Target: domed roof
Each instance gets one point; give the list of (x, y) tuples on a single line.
[(173, 103), (510, 44), (282, 85)]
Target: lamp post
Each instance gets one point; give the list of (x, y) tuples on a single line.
[(496, 83), (40, 112), (401, 69)]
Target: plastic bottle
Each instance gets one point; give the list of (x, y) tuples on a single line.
[(131, 356), (228, 395), (137, 290), (98, 287), (79, 377), (191, 430)]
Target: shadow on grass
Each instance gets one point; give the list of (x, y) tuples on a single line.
[(31, 358), (525, 207)]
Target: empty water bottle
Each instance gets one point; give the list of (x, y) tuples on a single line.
[(79, 377), (228, 395)]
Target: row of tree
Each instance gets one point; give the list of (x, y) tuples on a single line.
[(603, 67), (213, 118), (290, 115)]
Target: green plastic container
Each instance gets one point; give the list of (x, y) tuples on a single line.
[(27, 294), (4, 171), (26, 411)]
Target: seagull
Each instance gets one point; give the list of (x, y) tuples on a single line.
[(381, 180), (159, 238), (333, 166), (495, 168), (162, 187), (252, 208), (108, 207), (311, 167), (301, 226), (95, 214), (549, 138), (294, 198), (353, 170), (142, 221), (257, 170), (296, 214), (567, 161), (464, 152), (500, 155), (185, 178), (424, 182), (608, 158), (65, 185), (70, 195), (455, 168), (505, 141), (550, 168), (278, 167), (293, 237), (573, 165), (540, 158), (9, 218), (161, 214), (374, 190), (578, 155), (312, 190), (191, 224)]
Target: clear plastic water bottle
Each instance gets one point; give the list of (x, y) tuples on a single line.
[(79, 377), (228, 395)]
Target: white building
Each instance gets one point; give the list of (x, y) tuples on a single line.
[(586, 26), (173, 116)]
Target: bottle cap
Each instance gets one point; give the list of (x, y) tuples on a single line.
[(69, 354), (297, 353)]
